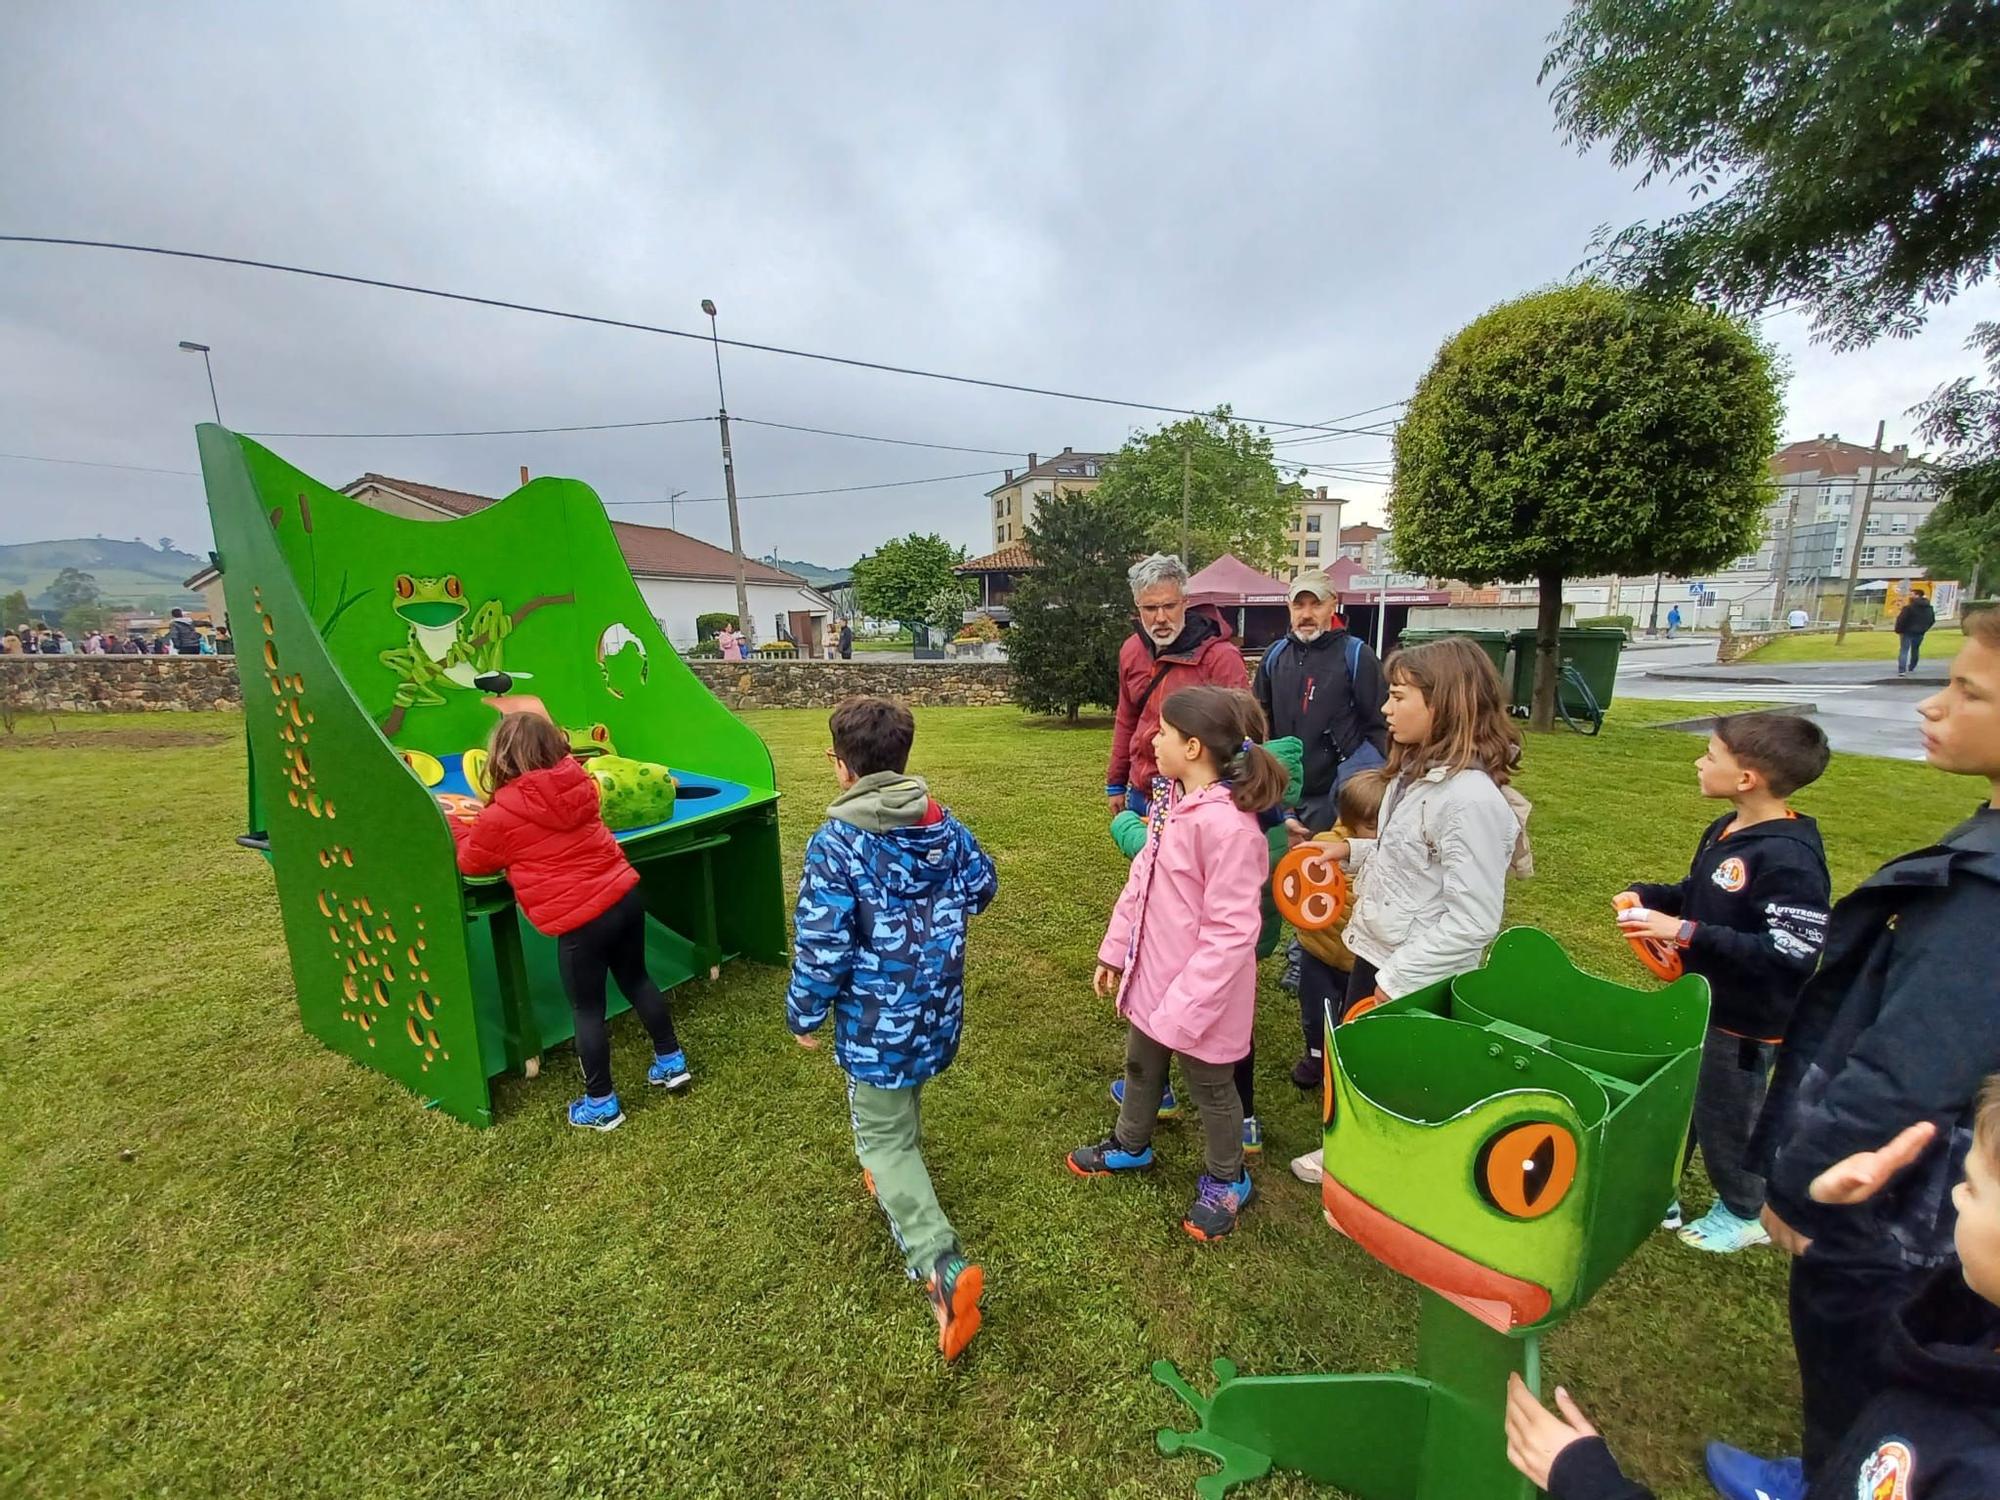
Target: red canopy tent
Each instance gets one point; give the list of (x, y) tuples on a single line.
[(1253, 603)]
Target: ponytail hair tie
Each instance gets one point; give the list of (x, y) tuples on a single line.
[(1246, 747)]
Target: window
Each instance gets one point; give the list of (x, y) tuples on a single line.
[(1312, 525), (1312, 549), (1899, 523), (1874, 524), (1868, 556)]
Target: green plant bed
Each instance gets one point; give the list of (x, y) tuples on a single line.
[(1862, 645), (236, 1261)]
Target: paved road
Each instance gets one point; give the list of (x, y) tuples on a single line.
[(1863, 706)]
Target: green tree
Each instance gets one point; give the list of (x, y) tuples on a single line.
[(1236, 500), (80, 619), (1073, 612), (13, 609), (70, 588), (944, 611), (899, 579), (1841, 155), (1584, 430), (1961, 538)]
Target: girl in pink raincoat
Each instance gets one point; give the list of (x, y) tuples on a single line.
[(1180, 954)]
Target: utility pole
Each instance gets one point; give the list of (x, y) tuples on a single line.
[(1860, 531), (729, 481), (1783, 583), (1187, 486), (1654, 628)]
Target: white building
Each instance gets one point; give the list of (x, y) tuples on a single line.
[(679, 576), (1313, 536), (1013, 501)]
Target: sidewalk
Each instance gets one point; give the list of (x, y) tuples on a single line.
[(1930, 674)]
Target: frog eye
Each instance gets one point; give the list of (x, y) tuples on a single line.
[(453, 588), (600, 734), (405, 586), (1526, 1170), (1326, 1091)]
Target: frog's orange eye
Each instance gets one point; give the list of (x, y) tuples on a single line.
[(405, 586), (453, 588), (1526, 1170), (599, 733), (1326, 1090)]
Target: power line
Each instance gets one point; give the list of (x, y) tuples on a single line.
[(1365, 411), (871, 438), (491, 431), (634, 326), (91, 463), (845, 489)]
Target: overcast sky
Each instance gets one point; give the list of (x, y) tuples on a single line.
[(1285, 208)]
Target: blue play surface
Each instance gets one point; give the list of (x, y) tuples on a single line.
[(699, 795)]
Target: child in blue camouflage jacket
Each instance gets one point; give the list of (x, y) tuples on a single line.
[(890, 879)]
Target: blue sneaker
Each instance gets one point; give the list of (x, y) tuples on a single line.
[(1253, 1136), (1106, 1157), (1170, 1107), (1737, 1475), (1216, 1206), (1720, 1232), (670, 1071), (596, 1114)]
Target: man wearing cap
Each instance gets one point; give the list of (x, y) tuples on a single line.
[(1326, 687)]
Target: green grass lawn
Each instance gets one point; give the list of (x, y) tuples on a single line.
[(231, 1261), (1861, 645)]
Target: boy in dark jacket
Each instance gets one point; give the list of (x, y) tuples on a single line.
[(890, 879), (1750, 919), (1913, 622), (1899, 1024), (1931, 1431)]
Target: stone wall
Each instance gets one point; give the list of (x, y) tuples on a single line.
[(144, 684), (119, 684), (822, 684)]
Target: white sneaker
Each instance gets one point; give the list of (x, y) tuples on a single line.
[(1310, 1168)]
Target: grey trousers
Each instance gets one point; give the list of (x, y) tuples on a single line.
[(1210, 1087), (1727, 1100)]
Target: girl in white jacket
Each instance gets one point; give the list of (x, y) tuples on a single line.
[(1431, 883)]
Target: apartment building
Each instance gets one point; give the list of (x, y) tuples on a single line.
[(1011, 503)]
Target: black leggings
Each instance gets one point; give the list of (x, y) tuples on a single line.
[(612, 942)]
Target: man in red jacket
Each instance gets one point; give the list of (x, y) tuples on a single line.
[(1169, 649)]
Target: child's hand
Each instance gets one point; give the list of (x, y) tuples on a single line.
[(1859, 1177), (1337, 850), (1536, 1436), (1296, 833), (806, 1040), (1105, 981), (1638, 921)]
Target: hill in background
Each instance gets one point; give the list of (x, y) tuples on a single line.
[(812, 573), (128, 572)]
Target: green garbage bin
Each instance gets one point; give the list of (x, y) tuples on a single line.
[(1592, 650), (1492, 642)]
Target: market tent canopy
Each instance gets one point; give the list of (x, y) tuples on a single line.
[(1230, 581)]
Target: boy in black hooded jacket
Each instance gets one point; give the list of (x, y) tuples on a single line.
[(1750, 918), (1931, 1430)]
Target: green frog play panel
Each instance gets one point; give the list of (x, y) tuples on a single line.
[(372, 646), (1505, 1139)]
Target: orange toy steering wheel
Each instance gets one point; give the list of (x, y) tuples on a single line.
[(1657, 954), (1310, 890)]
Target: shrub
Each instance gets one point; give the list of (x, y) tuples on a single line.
[(709, 626)]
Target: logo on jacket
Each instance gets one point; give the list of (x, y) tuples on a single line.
[(1886, 1474), (1730, 874)]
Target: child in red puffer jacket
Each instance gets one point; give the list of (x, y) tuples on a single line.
[(542, 827)]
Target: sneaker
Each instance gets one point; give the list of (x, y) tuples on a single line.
[(1311, 1167), (1106, 1157), (955, 1286), (596, 1114), (1216, 1205), (1737, 1475), (1309, 1071), (1294, 963), (1720, 1232), (1253, 1136), (1672, 1222), (670, 1071), (1170, 1107)]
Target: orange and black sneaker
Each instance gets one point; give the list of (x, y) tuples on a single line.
[(868, 1181), (955, 1286)]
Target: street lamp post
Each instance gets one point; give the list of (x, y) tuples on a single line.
[(729, 480), (202, 350)]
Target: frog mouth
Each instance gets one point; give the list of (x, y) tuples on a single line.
[(432, 615), (1502, 1302), (587, 752)]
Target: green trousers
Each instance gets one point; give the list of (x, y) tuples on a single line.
[(887, 1124)]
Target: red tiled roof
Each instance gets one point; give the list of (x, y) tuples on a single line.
[(1068, 464), (1829, 455), (655, 551), (1012, 558), (1361, 531)]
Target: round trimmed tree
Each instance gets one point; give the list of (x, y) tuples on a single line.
[(1579, 431)]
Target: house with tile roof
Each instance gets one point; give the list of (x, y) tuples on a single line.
[(1012, 502), (680, 577)]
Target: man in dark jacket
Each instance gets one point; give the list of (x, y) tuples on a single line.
[(1324, 687), (182, 636), (1899, 1024), (847, 640), (1913, 623)]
